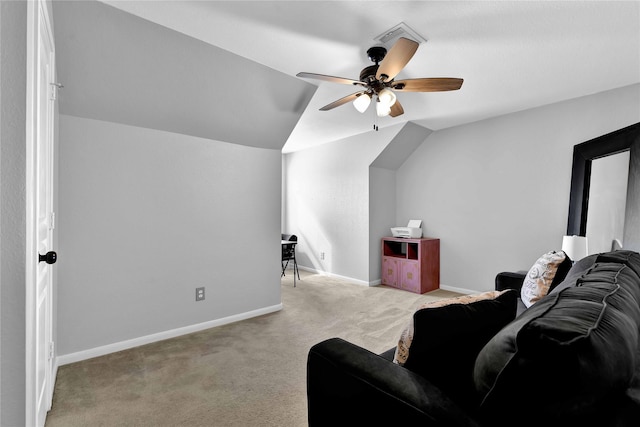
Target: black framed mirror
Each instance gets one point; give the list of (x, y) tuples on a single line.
[(583, 155)]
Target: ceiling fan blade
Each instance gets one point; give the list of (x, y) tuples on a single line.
[(397, 57), (332, 79), (434, 84), (341, 101), (396, 109)]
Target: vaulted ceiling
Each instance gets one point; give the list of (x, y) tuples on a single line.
[(226, 69)]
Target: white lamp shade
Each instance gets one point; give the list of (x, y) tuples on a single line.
[(382, 109), (575, 247), (362, 102), (387, 97)]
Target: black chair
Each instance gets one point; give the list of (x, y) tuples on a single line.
[(289, 254)]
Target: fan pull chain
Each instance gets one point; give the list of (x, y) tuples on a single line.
[(375, 120)]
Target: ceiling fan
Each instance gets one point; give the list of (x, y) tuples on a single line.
[(378, 80)]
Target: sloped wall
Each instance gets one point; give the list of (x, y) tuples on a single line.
[(339, 199), (382, 190), (327, 205), (120, 68)]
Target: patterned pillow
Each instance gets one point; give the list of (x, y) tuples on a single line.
[(548, 271)]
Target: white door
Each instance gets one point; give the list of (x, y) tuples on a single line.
[(40, 218)]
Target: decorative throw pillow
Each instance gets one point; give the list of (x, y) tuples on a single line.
[(443, 338), (548, 271)]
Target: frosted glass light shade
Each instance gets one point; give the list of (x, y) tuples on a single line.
[(382, 109), (362, 102), (576, 247), (387, 97)]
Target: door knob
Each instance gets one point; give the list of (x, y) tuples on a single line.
[(50, 257)]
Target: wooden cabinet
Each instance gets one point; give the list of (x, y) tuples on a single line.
[(411, 264)]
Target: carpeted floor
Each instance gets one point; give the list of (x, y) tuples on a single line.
[(249, 373)]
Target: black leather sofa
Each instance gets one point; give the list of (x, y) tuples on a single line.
[(572, 358)]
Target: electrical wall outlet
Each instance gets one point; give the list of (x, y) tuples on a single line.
[(199, 294), (321, 255)]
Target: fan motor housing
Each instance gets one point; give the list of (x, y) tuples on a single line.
[(368, 73), (377, 53)]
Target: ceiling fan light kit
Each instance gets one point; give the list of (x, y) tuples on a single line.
[(387, 96), (382, 108), (362, 102), (379, 80)]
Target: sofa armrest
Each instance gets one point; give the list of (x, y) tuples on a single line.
[(348, 385), (510, 280)]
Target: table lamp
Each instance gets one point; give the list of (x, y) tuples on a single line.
[(575, 247)]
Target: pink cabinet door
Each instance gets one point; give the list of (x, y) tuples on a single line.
[(390, 271), (410, 276)]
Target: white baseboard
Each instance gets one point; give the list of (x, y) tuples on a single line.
[(460, 290), (379, 281), (337, 276), (66, 359)]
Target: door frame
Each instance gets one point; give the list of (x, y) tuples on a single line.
[(38, 18)]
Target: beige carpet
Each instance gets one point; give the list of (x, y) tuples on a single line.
[(249, 373)]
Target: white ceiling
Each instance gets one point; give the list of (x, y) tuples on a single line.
[(513, 55)]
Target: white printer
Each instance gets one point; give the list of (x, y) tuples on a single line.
[(413, 230)]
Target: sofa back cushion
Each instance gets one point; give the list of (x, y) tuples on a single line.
[(578, 270), (570, 350)]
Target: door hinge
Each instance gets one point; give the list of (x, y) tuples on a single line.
[(52, 220), (54, 90), (51, 350)]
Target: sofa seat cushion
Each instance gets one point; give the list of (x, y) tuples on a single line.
[(444, 337), (572, 349)]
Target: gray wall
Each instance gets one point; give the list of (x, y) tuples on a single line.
[(496, 192), (327, 203), (382, 190), (382, 214), (13, 19), (147, 216)]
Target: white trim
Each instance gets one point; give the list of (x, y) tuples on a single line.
[(379, 281), (66, 359), (31, 398), (337, 276), (460, 290)]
